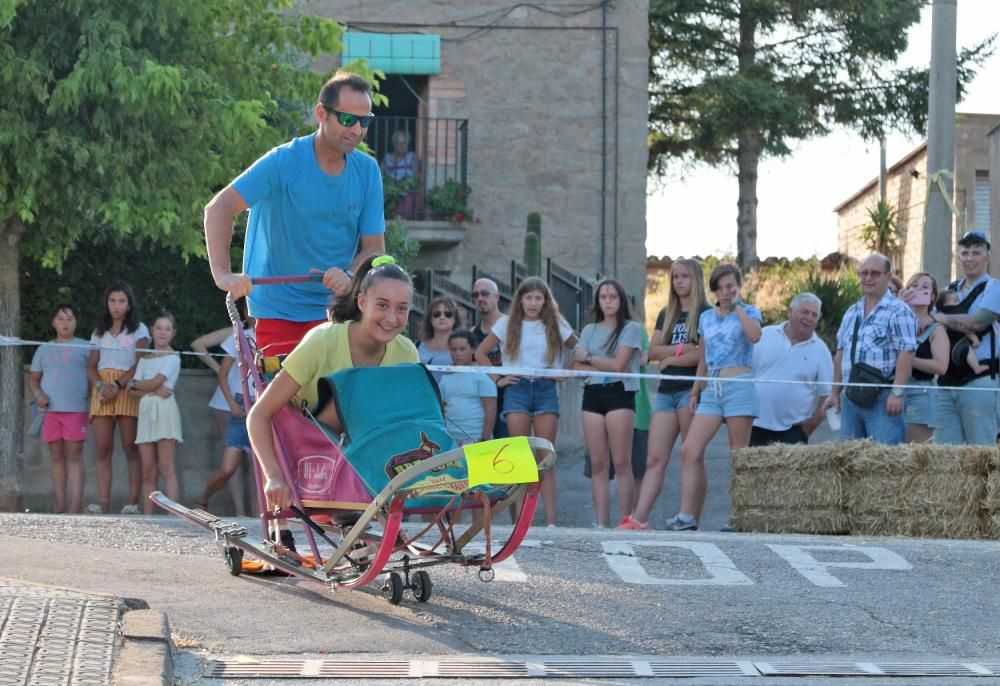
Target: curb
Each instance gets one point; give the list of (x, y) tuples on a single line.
[(146, 657)]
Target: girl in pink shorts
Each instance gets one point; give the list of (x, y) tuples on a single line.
[(59, 383)]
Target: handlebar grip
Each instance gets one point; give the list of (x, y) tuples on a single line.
[(271, 280)]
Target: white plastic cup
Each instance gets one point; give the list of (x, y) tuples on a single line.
[(833, 418)]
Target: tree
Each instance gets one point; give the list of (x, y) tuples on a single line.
[(882, 233), (119, 119), (733, 80)]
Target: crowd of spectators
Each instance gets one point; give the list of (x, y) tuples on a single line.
[(918, 365)]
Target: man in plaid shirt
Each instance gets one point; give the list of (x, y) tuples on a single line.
[(886, 340)]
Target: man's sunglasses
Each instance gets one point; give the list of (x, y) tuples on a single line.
[(481, 294), (348, 120)]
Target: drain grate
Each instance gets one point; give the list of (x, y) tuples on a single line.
[(578, 668)]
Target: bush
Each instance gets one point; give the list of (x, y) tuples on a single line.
[(837, 292)]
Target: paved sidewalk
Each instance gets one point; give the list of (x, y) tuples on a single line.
[(52, 636)]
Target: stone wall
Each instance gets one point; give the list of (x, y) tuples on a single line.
[(530, 86)]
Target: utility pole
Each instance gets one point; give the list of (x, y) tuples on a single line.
[(938, 241)]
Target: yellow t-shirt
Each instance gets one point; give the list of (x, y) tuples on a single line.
[(325, 350)]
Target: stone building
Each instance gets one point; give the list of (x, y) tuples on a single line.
[(976, 194), (538, 107)]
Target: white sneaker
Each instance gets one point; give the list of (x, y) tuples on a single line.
[(131, 510), (93, 508)]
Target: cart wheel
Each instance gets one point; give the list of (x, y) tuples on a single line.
[(422, 586), (392, 589), (234, 560)]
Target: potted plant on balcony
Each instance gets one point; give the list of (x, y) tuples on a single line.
[(449, 201)]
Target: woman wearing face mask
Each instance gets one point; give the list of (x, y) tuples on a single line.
[(364, 332), (728, 331)]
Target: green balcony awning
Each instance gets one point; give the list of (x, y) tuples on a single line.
[(395, 53)]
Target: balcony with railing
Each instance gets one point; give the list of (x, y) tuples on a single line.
[(424, 165)]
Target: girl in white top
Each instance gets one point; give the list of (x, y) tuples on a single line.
[(159, 418), (534, 336), (117, 336)]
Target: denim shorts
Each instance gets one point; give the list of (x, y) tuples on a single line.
[(531, 397), (921, 403), (236, 429), (604, 398), (672, 401), (725, 398)]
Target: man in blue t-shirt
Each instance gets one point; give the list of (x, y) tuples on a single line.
[(315, 206)]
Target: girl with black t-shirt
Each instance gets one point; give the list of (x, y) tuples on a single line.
[(675, 346)]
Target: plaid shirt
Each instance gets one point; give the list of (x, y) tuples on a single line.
[(889, 329)]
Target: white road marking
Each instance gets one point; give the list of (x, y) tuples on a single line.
[(621, 557), (816, 571)]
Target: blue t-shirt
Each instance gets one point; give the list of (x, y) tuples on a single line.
[(64, 374), (463, 404), (725, 343), (302, 218)]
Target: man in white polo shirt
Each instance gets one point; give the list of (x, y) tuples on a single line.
[(791, 351)]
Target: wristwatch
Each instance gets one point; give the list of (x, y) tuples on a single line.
[(588, 358), (131, 385), (897, 391)]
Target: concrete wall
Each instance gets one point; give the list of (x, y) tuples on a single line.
[(530, 87), (201, 452)]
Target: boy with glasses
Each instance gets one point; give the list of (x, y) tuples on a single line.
[(877, 337), (315, 207)]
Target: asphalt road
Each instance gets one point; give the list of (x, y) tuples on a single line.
[(571, 591)]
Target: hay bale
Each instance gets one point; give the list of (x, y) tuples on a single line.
[(791, 521), (927, 524), (791, 458), (786, 477), (991, 501), (915, 492), (782, 490), (924, 458), (991, 527)]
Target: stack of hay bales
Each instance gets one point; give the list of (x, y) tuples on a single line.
[(992, 501), (865, 488), (918, 490), (789, 489)]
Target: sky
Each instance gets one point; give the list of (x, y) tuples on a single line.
[(796, 195)]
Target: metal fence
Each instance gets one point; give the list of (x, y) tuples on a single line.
[(573, 293), (439, 150)]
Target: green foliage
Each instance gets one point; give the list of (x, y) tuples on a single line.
[(533, 244), (399, 244), (451, 200), (883, 234), (161, 279), (393, 192), (120, 119), (731, 81), (837, 292)]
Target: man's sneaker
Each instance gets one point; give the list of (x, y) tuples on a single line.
[(93, 508), (677, 524), (131, 510), (630, 523)]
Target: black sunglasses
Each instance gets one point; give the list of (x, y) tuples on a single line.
[(443, 313), (481, 294), (347, 119)]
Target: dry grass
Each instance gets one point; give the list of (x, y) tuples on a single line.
[(831, 520)]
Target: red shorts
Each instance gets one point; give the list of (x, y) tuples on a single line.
[(64, 426), (279, 336)]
